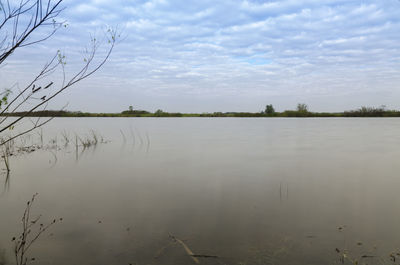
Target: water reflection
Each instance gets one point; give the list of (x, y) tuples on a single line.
[(6, 187), (233, 191), (3, 260), (135, 136), (28, 144)]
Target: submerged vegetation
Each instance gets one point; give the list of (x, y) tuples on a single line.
[(28, 236), (29, 144), (355, 252), (300, 111)]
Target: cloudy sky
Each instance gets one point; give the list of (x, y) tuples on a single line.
[(228, 55)]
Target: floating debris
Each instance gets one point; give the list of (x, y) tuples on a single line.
[(204, 256), (186, 248)]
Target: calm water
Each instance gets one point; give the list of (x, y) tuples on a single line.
[(250, 191)]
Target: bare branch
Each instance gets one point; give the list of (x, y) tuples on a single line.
[(18, 23), (37, 19), (24, 241)]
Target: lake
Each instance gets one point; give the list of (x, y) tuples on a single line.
[(231, 191)]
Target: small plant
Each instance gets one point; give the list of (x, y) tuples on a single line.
[(95, 137), (40, 133), (7, 152), (92, 140), (65, 136), (27, 237)]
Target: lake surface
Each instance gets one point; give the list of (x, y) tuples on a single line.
[(250, 191)]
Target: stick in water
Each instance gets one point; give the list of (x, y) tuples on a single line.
[(186, 248)]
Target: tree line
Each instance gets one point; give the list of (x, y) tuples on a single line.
[(301, 110)]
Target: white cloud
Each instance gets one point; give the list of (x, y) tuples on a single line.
[(287, 50)]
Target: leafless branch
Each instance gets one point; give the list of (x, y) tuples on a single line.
[(40, 16), (27, 237), (17, 23)]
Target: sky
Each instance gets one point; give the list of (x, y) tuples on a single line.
[(226, 55)]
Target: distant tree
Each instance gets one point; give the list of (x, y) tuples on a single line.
[(269, 109), (369, 112), (135, 112), (301, 107), (218, 114), (130, 108), (158, 112)]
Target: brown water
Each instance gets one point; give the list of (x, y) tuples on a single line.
[(250, 191)]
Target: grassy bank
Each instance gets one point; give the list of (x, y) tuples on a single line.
[(362, 112)]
